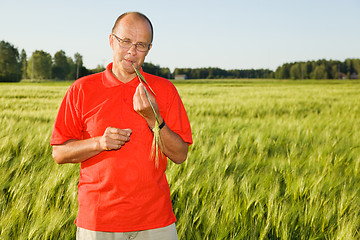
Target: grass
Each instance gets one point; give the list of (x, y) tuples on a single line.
[(270, 160)]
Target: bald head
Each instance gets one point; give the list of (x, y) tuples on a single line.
[(135, 15)]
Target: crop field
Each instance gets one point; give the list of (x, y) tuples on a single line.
[(270, 160)]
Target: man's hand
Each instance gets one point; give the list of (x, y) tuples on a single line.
[(114, 138), (142, 105), (173, 146)]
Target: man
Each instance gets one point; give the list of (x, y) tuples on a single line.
[(105, 123)]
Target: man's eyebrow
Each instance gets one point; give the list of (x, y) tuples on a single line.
[(126, 39)]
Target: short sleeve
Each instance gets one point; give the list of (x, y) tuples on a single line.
[(68, 123), (177, 119)]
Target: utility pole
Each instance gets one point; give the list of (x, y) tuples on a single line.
[(32, 68), (77, 69)]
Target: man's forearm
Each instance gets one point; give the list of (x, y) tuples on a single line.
[(76, 151), (173, 145)]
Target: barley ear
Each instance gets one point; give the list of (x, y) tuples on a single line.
[(157, 143)]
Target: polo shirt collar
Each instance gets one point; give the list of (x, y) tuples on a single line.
[(109, 80)]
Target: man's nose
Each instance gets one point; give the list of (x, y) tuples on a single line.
[(132, 49)]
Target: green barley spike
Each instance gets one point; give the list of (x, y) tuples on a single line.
[(156, 144)]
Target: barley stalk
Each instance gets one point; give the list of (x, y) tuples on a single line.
[(143, 79), (156, 144)]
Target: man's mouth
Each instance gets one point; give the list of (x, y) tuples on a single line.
[(129, 61)]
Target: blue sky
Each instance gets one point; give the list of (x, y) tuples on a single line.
[(238, 34)]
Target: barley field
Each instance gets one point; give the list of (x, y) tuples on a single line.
[(270, 160)]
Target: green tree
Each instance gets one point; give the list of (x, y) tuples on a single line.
[(39, 65), (10, 65), (156, 70), (23, 62), (99, 68), (60, 67), (349, 67), (78, 61), (320, 72), (165, 72), (334, 72), (283, 72), (303, 70), (295, 71), (72, 69), (151, 68), (356, 65), (308, 68)]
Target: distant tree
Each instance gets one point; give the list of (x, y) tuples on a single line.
[(60, 67), (72, 69), (39, 65), (320, 69), (218, 73), (78, 61), (295, 71), (99, 68), (23, 62), (349, 67), (308, 68), (150, 68), (283, 72), (303, 70), (156, 70), (319, 72), (10, 65), (356, 65), (165, 73), (202, 73), (334, 72)]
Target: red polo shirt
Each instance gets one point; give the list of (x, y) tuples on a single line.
[(120, 190)]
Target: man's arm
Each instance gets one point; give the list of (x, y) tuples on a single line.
[(172, 144), (76, 151)]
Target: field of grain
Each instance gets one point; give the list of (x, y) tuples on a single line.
[(270, 160)]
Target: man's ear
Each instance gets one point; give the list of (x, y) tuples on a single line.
[(150, 46), (111, 41)]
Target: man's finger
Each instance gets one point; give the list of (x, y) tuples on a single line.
[(142, 95), (145, 92), (114, 138), (120, 131)]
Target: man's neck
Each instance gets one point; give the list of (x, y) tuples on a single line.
[(122, 75)]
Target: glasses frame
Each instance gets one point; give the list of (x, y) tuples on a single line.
[(132, 44)]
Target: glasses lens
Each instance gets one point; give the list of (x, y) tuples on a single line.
[(142, 47), (125, 44)]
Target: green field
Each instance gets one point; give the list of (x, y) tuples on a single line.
[(270, 160)]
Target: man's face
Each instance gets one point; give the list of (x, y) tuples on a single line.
[(135, 30)]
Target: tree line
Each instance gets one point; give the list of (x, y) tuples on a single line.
[(216, 73), (320, 69), (15, 66)]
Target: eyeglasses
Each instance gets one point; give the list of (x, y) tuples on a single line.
[(141, 47)]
